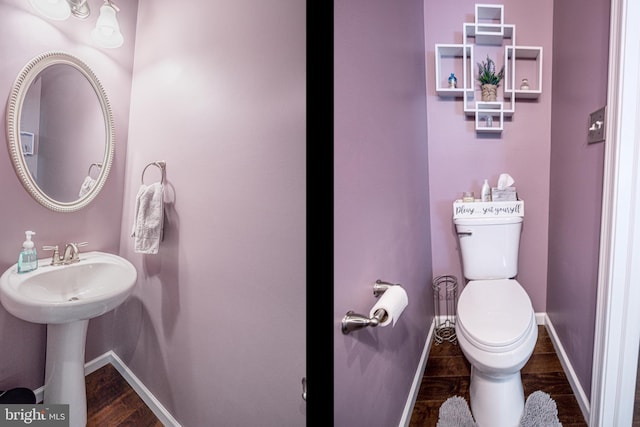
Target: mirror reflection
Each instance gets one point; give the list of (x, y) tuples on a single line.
[(60, 131)]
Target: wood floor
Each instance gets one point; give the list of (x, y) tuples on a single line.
[(112, 402), (447, 374)]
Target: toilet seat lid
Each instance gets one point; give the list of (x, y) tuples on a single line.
[(495, 313)]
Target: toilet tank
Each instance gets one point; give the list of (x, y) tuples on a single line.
[(489, 246)]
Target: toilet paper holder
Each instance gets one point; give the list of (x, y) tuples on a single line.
[(353, 321)]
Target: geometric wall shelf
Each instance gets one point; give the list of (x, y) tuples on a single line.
[(520, 62), (523, 62)]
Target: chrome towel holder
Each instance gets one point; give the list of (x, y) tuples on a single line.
[(160, 164)]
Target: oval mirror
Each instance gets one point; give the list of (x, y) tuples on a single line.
[(60, 131)]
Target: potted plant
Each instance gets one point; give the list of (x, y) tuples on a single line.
[(489, 79)]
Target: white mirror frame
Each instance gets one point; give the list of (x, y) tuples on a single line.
[(14, 110)]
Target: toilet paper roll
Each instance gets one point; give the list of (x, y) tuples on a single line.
[(393, 301)]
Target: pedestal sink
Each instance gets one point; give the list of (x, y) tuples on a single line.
[(65, 297)]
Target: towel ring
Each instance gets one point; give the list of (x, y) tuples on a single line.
[(161, 164), (98, 165)]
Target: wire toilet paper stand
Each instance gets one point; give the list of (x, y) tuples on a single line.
[(445, 296)]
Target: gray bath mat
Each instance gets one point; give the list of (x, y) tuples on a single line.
[(454, 412), (540, 410)]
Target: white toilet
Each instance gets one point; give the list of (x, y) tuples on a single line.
[(495, 324)]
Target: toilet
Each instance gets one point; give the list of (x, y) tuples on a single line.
[(495, 322)]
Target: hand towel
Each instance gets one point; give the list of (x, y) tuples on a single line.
[(86, 186), (148, 219)]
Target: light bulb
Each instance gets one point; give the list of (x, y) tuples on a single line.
[(107, 32), (52, 9)]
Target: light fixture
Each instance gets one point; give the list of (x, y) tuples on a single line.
[(107, 31), (79, 8), (62, 9), (53, 9)]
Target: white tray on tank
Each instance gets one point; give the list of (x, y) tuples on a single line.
[(487, 209)]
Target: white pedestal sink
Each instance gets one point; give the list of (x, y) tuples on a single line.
[(64, 298)]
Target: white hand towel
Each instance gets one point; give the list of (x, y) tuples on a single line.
[(86, 186), (148, 219)]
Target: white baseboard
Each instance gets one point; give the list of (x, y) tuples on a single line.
[(39, 392), (417, 379), (149, 399), (541, 319), (581, 397)]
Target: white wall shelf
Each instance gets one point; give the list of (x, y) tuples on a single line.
[(520, 62), (523, 62), (455, 58), (489, 117)]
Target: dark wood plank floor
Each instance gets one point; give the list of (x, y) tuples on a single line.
[(447, 374), (112, 402)]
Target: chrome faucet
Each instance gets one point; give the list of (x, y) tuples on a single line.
[(71, 253)]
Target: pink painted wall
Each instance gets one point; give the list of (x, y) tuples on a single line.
[(460, 159), (27, 35), (546, 153), (381, 204), (577, 170), (216, 326), (236, 181)]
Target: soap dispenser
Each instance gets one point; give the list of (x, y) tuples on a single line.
[(486, 191), (28, 258)]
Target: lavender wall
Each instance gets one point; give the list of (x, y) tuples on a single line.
[(580, 87), (216, 326), (381, 203), (546, 154), (459, 158), (27, 35)]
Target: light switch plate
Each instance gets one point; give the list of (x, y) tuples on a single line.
[(596, 126)]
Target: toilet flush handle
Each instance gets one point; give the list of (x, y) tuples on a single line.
[(464, 233)]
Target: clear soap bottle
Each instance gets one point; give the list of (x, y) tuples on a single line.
[(28, 258), (486, 191)]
